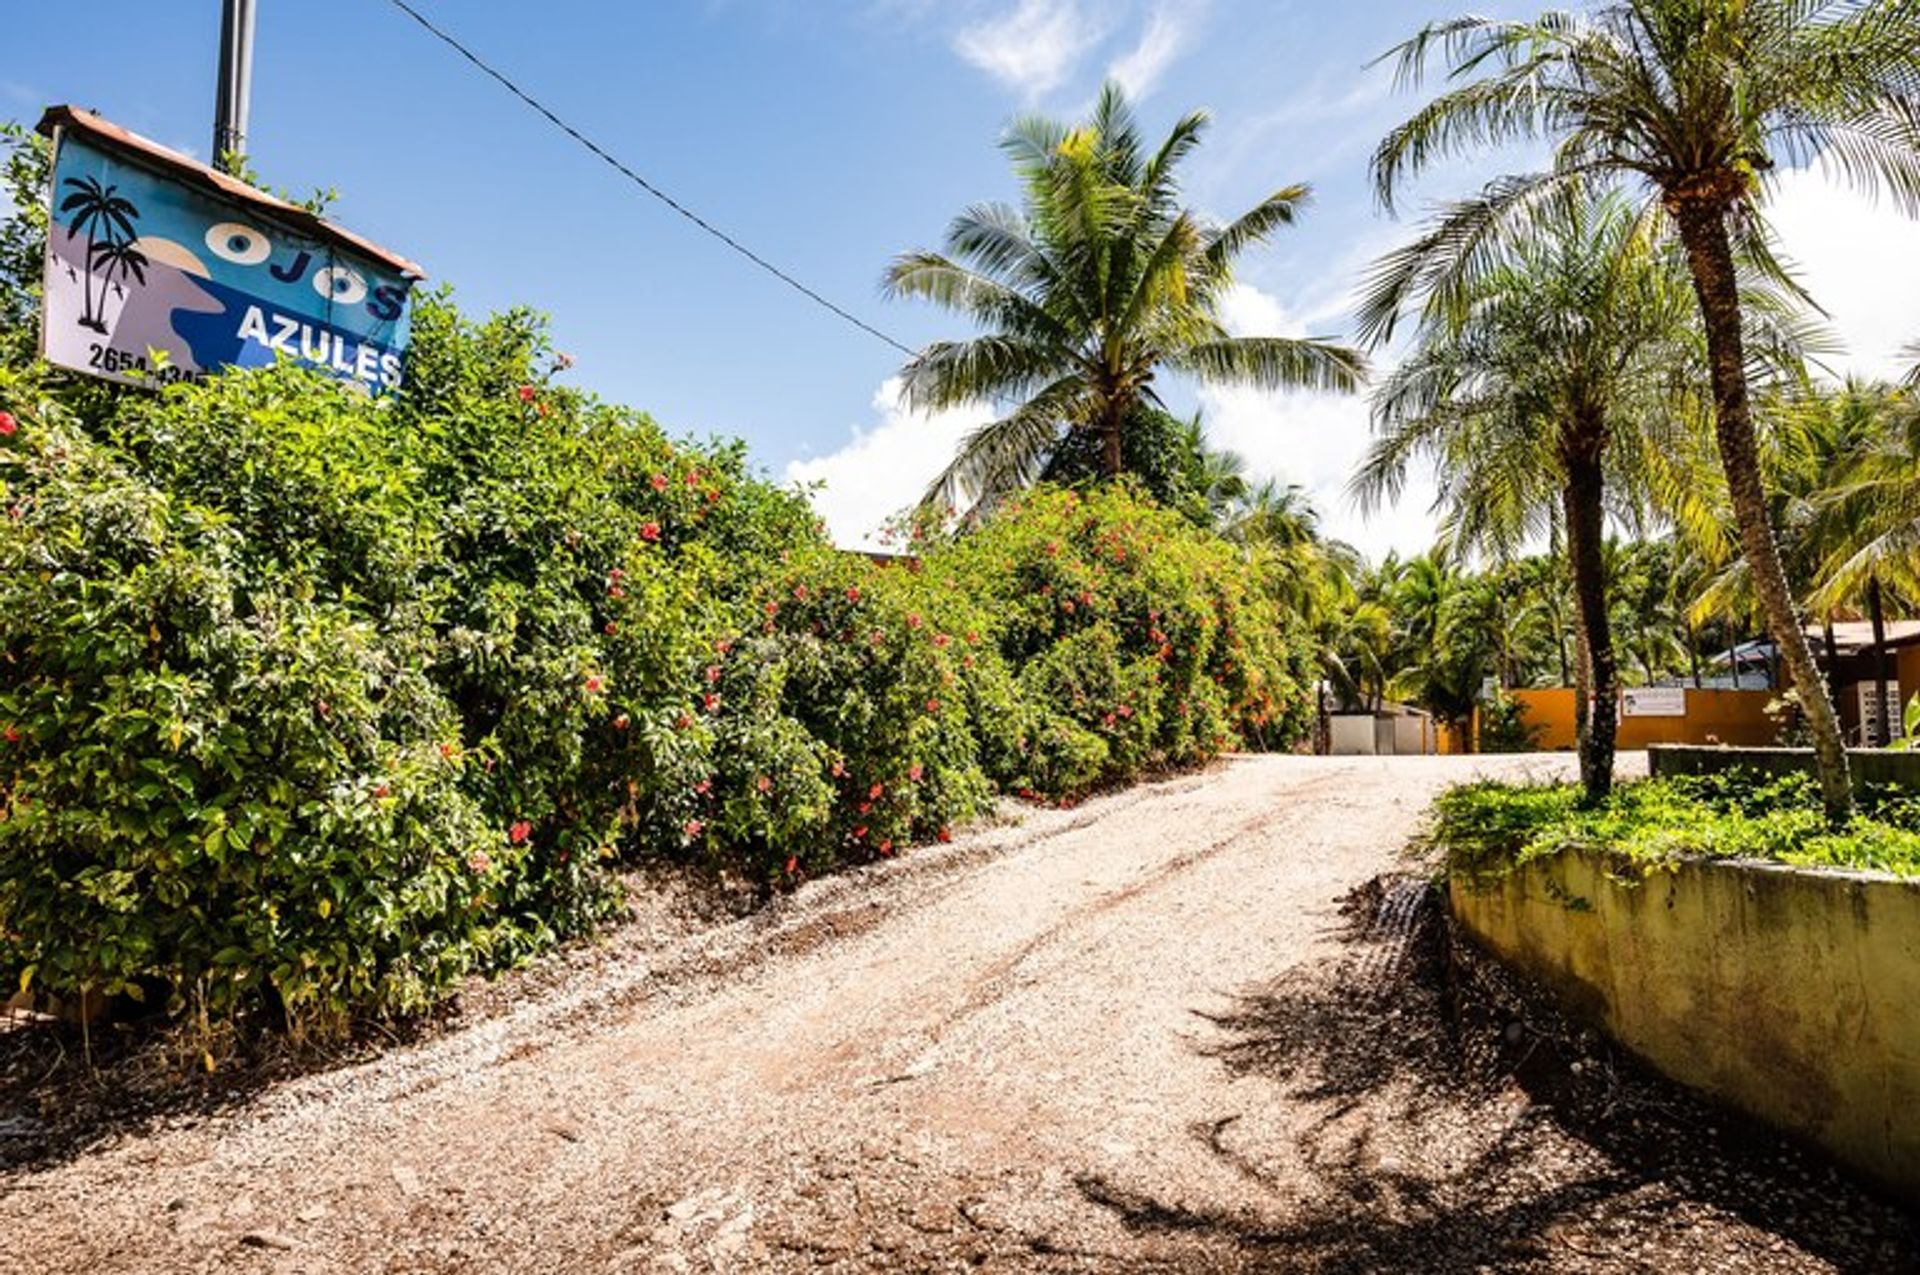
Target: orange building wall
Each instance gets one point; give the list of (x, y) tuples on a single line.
[(1713, 717)]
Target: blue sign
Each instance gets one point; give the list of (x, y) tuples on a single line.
[(156, 275)]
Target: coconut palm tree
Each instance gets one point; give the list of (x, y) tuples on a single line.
[(1442, 645), (1543, 368), (1099, 283), (105, 217), (117, 257), (1697, 102)]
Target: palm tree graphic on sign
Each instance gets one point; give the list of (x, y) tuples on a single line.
[(117, 257), (106, 219)]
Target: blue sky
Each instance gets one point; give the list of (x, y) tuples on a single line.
[(828, 135)]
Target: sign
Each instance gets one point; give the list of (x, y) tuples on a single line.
[(1654, 701), (159, 269)]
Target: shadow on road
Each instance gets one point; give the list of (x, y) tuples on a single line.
[(1456, 1121)]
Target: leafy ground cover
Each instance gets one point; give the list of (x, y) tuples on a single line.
[(1493, 826)]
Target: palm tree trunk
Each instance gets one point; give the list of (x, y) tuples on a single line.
[(1111, 458), (1582, 669), (1693, 654), (1703, 230), (1882, 733), (86, 288), (1586, 531)]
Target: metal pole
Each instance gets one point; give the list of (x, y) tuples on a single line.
[(235, 89)]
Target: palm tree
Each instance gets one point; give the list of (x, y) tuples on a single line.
[(1696, 101), (1859, 456), (104, 217), (1557, 354), (117, 257), (1085, 294), (1441, 647)]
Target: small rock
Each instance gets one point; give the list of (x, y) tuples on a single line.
[(406, 1179), (268, 1239), (312, 1213)]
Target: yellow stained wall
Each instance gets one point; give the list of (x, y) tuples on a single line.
[(1713, 717), (1791, 994)]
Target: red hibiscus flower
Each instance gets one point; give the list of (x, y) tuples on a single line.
[(526, 393), (694, 828), (519, 832), (7, 423), (479, 862), (650, 531), (914, 772), (659, 482), (853, 593), (764, 784)]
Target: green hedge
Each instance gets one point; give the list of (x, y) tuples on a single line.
[(314, 703)]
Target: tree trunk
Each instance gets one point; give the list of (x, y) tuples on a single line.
[(1586, 532), (1702, 220), (1112, 460), (1883, 733), (1693, 655), (1582, 669)]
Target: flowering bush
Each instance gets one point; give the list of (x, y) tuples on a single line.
[(316, 702), (217, 785), (1139, 640)]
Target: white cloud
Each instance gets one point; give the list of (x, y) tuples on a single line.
[(883, 469), (1860, 261), (1166, 36), (1314, 439), (1034, 47)]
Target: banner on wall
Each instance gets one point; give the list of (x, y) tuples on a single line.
[(161, 269), (1653, 701)]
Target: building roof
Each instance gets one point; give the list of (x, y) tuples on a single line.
[(1850, 638), (193, 173)]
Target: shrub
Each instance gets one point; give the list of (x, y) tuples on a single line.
[(1138, 640), (317, 702), (218, 787)]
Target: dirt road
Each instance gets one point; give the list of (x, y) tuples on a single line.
[(1036, 1048)]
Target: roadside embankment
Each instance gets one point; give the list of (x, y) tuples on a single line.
[(1792, 994)]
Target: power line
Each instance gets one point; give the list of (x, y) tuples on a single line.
[(646, 185)]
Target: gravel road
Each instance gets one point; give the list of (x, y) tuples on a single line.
[(1038, 1047)]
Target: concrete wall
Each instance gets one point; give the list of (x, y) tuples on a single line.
[(1726, 717), (1791, 994), (1866, 765)]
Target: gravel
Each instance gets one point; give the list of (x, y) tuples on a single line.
[(1196, 1025)]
